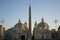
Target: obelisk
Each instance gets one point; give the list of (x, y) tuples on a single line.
[(29, 22)]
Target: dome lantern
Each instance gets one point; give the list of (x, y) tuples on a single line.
[(42, 20), (25, 22), (19, 21), (35, 23)]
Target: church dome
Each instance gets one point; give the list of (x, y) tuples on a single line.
[(21, 25), (43, 24), (18, 24)]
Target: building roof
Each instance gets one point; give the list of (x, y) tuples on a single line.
[(42, 23), (21, 25)]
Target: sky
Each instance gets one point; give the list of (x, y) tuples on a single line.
[(13, 10)]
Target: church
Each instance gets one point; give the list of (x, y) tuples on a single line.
[(20, 31), (41, 31)]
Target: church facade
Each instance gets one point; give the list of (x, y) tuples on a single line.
[(41, 31), (20, 31)]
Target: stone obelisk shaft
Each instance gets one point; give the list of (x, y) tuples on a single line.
[(29, 22)]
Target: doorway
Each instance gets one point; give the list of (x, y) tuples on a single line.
[(22, 37)]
